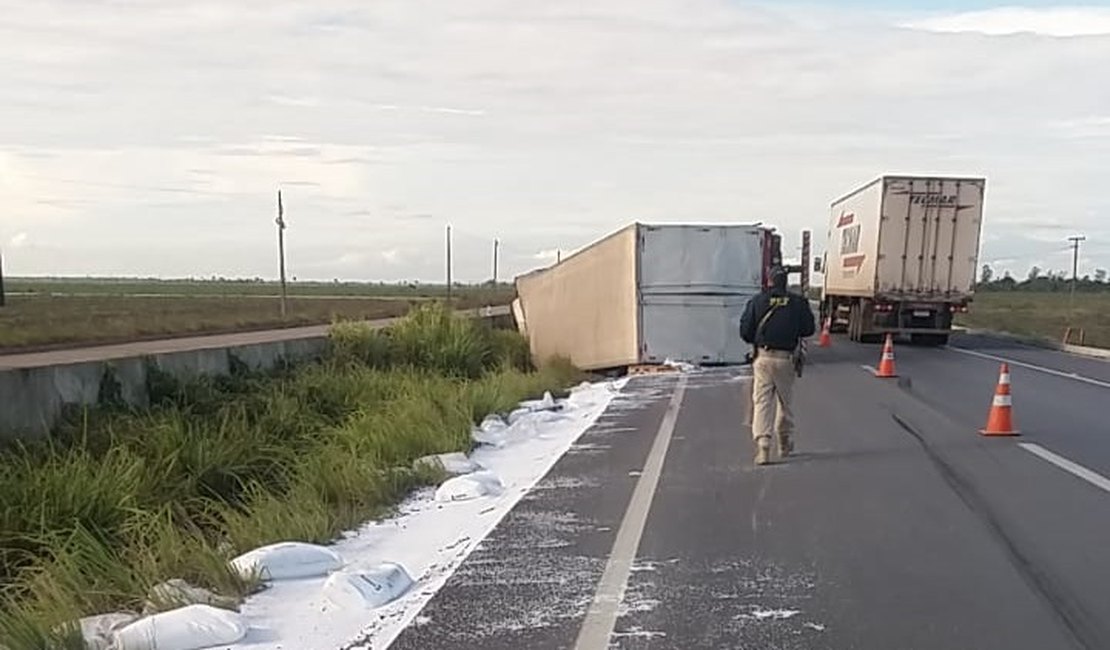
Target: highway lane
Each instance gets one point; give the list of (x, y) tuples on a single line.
[(529, 583), (985, 345), (896, 526), (1067, 416)]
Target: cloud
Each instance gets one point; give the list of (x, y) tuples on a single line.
[(352, 259), (297, 102), (19, 240), (1046, 21), (1030, 224), (544, 124), (270, 150), (1087, 127), (445, 110)]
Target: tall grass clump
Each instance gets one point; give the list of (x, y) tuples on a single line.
[(121, 500), (433, 339)]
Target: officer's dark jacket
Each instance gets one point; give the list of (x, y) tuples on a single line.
[(791, 320)]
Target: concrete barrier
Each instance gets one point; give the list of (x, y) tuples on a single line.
[(35, 399), (37, 389)]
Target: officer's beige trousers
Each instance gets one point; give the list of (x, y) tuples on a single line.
[(772, 390)]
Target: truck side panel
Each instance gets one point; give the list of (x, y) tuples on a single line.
[(703, 329), (930, 239), (585, 308), (685, 259), (853, 243)]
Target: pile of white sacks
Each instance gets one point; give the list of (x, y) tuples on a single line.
[(202, 619)]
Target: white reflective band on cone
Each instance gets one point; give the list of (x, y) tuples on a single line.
[(1004, 379), (1003, 400)]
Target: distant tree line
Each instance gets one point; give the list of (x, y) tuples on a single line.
[(1041, 280)]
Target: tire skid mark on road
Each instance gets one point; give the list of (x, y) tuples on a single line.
[(1071, 614)]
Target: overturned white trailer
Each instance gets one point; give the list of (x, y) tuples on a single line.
[(648, 293)]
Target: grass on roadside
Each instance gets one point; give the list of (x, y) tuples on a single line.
[(45, 320), (119, 501), (1042, 315)]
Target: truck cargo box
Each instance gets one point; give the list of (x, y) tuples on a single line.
[(906, 238), (902, 256), (645, 294)]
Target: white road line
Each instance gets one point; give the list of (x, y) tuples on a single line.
[(1092, 477), (602, 616), (1030, 366), (870, 369)]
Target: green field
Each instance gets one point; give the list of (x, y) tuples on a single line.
[(46, 313), (218, 287), (1042, 315)]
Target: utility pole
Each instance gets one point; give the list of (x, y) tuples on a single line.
[(496, 246), (280, 221), (449, 279), (1074, 272), (3, 300), (558, 256)]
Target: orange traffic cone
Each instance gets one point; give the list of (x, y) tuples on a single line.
[(1000, 421), (825, 340), (886, 365)]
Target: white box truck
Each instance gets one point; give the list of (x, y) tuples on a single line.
[(901, 257), (648, 293)]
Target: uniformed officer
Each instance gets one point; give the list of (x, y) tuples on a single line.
[(774, 322)]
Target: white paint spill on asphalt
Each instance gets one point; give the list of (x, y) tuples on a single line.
[(429, 539), (602, 616), (564, 483), (639, 633), (760, 614)]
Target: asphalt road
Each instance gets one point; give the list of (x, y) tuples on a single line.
[(896, 526)]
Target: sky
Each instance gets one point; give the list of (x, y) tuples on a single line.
[(149, 137)]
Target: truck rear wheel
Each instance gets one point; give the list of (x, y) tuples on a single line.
[(831, 310), (861, 317), (854, 322)]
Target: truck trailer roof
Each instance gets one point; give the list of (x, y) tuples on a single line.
[(909, 177)]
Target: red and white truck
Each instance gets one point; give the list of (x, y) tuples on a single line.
[(901, 257)]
